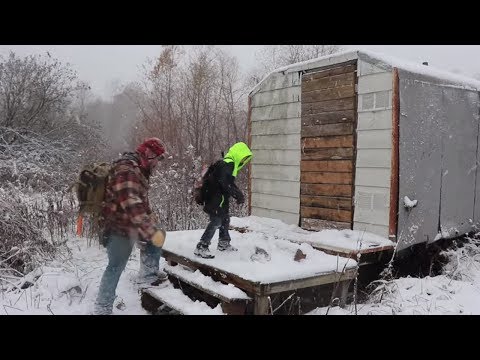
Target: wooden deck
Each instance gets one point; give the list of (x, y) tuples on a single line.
[(261, 292)]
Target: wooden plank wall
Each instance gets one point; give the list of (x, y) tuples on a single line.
[(328, 124)]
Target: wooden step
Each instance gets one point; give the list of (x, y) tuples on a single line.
[(176, 300), (198, 286), (226, 293)]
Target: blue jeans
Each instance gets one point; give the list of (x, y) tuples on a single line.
[(119, 249), (216, 222)]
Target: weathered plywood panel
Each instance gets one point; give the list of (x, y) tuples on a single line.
[(327, 202), (273, 112), (326, 190), (276, 172), (328, 94), (327, 130), (375, 120), (327, 154), (328, 142), (374, 158), (332, 72), (326, 214), (378, 177), (286, 217), (331, 166), (276, 187), (280, 96), (375, 82), (312, 84), (325, 177), (276, 127), (341, 116), (276, 142), (374, 139), (328, 106), (276, 202), (276, 157)]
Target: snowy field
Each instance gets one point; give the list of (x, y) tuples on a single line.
[(69, 283)]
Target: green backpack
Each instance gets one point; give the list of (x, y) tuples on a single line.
[(90, 187)]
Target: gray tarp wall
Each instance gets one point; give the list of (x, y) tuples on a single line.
[(438, 157)]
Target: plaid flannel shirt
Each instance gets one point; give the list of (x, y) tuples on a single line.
[(126, 206)]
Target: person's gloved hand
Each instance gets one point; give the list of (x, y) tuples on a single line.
[(158, 238)]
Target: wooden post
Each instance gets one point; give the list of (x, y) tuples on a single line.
[(260, 305), (393, 215)]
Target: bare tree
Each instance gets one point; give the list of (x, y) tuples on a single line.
[(271, 57)]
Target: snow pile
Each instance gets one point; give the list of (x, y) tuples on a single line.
[(281, 266), (347, 239)]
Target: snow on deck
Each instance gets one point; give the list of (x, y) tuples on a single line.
[(350, 240), (281, 267), (176, 299)]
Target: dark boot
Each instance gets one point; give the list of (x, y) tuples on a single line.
[(203, 251), (224, 245)]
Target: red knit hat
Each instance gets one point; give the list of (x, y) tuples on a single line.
[(154, 144)]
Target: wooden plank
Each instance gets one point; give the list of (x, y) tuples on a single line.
[(201, 286), (276, 127), (318, 225), (327, 130), (341, 141), (261, 305), (325, 214), (328, 94), (327, 202), (328, 106), (327, 165), (314, 177), (325, 189), (328, 154), (321, 279), (249, 165), (342, 69), (329, 82), (394, 177), (340, 116), (219, 275)]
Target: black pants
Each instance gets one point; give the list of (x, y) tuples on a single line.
[(216, 222)]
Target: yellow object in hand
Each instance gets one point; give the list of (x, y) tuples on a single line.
[(158, 238)]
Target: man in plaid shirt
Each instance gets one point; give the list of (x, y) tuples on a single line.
[(128, 219)]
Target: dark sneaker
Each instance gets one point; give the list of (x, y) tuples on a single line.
[(203, 252)]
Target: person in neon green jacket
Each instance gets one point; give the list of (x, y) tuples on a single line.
[(218, 186)]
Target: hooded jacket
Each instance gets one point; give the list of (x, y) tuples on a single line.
[(221, 184)]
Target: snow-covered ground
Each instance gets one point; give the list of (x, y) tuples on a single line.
[(69, 284)]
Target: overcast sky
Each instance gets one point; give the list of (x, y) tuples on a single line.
[(103, 65)]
